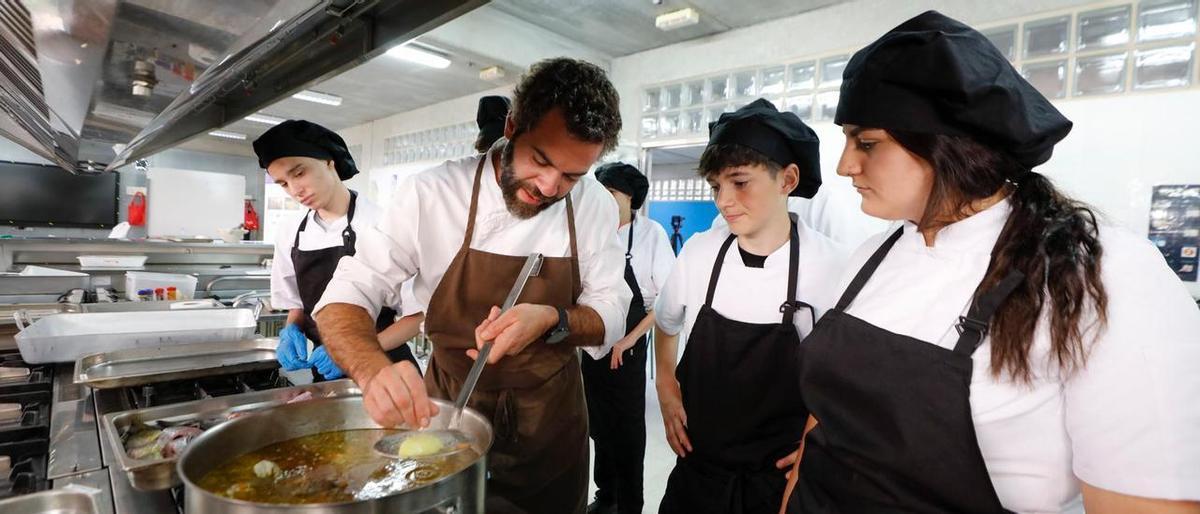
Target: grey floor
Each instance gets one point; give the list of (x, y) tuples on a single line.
[(659, 457)]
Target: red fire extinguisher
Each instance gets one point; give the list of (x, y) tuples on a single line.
[(251, 219), (137, 209)]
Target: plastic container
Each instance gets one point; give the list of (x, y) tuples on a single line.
[(160, 294), (112, 261), (172, 293), (185, 285)]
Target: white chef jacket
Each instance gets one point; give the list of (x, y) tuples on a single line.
[(317, 235), (424, 227), (1129, 422), (751, 295), (651, 258), (834, 212)]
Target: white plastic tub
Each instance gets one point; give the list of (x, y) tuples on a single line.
[(185, 285), (67, 337)]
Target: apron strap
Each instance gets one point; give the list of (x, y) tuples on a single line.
[(576, 277), (973, 327), (470, 232), (867, 270), (793, 304), (716, 269), (348, 235), (629, 247)]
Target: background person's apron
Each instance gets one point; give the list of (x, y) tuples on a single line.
[(314, 270)]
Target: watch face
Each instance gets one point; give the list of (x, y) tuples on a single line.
[(556, 336)]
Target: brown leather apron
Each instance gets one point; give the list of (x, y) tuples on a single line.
[(538, 462)]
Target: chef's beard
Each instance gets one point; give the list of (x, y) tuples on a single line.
[(509, 186)]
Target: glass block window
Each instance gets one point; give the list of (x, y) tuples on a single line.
[(1164, 67), (693, 93), (718, 89), (1104, 28), (831, 70), (801, 105), (1101, 74), (1166, 19), (1047, 37), (1048, 77), (650, 100), (745, 84), (672, 97), (1005, 39), (772, 80), (802, 76)]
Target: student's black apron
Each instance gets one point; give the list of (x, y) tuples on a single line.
[(617, 409), (743, 406), (314, 270), (894, 431)]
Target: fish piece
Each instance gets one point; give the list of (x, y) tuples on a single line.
[(265, 468), (149, 451), (175, 447), (142, 437), (177, 432)]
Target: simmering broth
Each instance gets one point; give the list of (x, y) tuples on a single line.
[(328, 467)]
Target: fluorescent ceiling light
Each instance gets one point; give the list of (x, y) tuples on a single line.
[(420, 56), (227, 135), (265, 119), (317, 97), (677, 19)]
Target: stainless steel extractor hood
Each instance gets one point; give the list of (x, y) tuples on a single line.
[(96, 84)]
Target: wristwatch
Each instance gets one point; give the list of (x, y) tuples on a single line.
[(561, 330)]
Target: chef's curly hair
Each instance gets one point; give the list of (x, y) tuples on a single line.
[(1051, 238), (588, 101)]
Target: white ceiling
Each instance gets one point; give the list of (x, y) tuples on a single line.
[(511, 34)]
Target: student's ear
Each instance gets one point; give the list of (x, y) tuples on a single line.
[(791, 178)]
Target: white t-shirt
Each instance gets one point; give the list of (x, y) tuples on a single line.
[(1129, 422), (751, 295), (424, 227)]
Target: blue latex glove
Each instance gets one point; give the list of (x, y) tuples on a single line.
[(325, 365), (292, 352)]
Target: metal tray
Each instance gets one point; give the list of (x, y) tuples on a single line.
[(122, 368), (72, 499), (172, 305), (159, 474), (67, 337)]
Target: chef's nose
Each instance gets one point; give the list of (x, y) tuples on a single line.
[(547, 183), (723, 197)]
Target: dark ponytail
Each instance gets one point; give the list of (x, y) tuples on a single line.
[(1051, 238)]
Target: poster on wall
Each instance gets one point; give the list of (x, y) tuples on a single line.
[(1175, 227)]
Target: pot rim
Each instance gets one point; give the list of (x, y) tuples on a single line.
[(191, 487)]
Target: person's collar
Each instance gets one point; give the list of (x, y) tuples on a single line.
[(975, 233)]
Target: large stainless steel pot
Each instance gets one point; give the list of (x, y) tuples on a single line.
[(459, 493)]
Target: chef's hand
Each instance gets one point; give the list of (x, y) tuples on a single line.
[(512, 331), (618, 351), (396, 396), (324, 363), (670, 399), (292, 352)]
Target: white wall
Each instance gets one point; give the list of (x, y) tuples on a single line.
[(1120, 148)]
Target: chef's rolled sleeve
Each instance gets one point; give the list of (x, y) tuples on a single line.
[(602, 264)]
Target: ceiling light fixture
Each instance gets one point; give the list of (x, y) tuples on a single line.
[(265, 119), (410, 53), (677, 19), (227, 135), (309, 95)]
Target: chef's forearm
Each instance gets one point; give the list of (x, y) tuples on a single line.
[(349, 334), (665, 348), (295, 317), (586, 325), (401, 331)]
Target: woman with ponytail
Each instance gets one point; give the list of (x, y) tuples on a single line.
[(1001, 349)]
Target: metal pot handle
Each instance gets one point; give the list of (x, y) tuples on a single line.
[(21, 318)]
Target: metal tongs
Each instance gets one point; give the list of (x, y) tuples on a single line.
[(452, 439)]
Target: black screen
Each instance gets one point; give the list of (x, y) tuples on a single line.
[(34, 194)]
